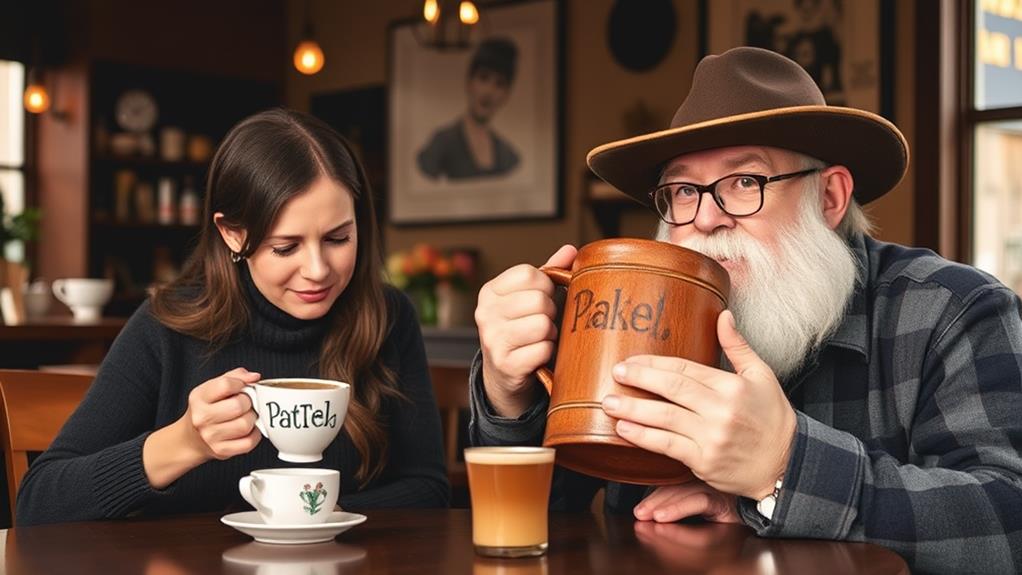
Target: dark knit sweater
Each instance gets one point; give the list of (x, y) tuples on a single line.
[(94, 469)]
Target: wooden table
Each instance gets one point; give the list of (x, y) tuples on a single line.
[(428, 541), (56, 340)]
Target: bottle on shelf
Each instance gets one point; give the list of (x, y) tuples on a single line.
[(165, 202), (189, 205), (125, 188), (145, 208)]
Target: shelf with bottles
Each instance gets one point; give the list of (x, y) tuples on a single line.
[(138, 201), (151, 136)]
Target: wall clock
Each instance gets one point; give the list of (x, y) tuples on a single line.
[(136, 111)]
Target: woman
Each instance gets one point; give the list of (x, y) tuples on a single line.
[(285, 282)]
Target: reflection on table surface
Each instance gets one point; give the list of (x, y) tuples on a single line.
[(428, 541)]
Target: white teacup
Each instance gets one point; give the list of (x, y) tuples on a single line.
[(85, 296), (300, 416), (292, 496)]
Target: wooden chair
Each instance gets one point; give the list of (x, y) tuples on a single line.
[(33, 407), (450, 384)]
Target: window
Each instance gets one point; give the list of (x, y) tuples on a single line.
[(12, 144), (994, 119)]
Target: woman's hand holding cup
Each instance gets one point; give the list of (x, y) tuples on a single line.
[(221, 416), (219, 423), (517, 333)]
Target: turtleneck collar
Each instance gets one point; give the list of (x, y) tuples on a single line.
[(271, 327)]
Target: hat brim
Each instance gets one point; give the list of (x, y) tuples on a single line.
[(872, 148)]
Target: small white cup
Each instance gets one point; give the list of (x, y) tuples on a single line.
[(85, 296), (292, 496), (300, 416)]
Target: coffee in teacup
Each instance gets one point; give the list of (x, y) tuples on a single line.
[(299, 384), (299, 416), (292, 496)]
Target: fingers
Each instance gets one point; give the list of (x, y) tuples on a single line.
[(699, 503), (522, 277), (226, 449), (675, 502), (563, 257), (226, 385), (226, 409), (526, 303), (515, 316), (662, 496), (674, 385), (528, 330), (692, 369), (220, 399), (742, 357), (660, 441), (672, 503), (230, 429), (654, 413), (531, 357)]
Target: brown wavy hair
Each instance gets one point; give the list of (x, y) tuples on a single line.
[(263, 162)]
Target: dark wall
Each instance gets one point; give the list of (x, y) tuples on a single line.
[(223, 37)]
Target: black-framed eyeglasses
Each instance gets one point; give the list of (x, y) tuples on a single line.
[(738, 195)]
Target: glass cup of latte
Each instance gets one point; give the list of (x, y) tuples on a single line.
[(510, 490)]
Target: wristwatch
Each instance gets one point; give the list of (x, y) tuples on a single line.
[(766, 505)]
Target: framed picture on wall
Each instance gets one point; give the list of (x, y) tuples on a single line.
[(475, 133), (846, 46)]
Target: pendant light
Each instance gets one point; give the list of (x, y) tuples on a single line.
[(36, 99), (308, 56), (447, 24)]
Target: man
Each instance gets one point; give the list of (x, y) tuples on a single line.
[(873, 392), (469, 147)]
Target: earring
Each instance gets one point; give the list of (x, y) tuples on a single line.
[(236, 257)]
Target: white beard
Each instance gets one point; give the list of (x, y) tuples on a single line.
[(789, 298)]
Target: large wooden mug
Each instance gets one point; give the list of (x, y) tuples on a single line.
[(626, 297)]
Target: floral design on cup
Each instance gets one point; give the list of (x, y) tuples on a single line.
[(313, 498)]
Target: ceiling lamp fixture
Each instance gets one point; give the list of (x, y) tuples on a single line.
[(448, 24), (308, 56), (37, 99)]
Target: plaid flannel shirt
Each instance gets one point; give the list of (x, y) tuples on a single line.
[(909, 422)]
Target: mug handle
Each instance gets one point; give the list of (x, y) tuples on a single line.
[(251, 393), (561, 277), (58, 289), (250, 488)]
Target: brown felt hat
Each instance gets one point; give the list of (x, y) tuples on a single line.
[(755, 97)]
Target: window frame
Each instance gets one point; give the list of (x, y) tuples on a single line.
[(27, 167), (971, 119)]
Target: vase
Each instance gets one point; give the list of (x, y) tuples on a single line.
[(424, 300), (454, 307)]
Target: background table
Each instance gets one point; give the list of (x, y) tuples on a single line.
[(428, 541), (56, 340)]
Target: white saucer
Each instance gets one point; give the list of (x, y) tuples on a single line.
[(250, 523)]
